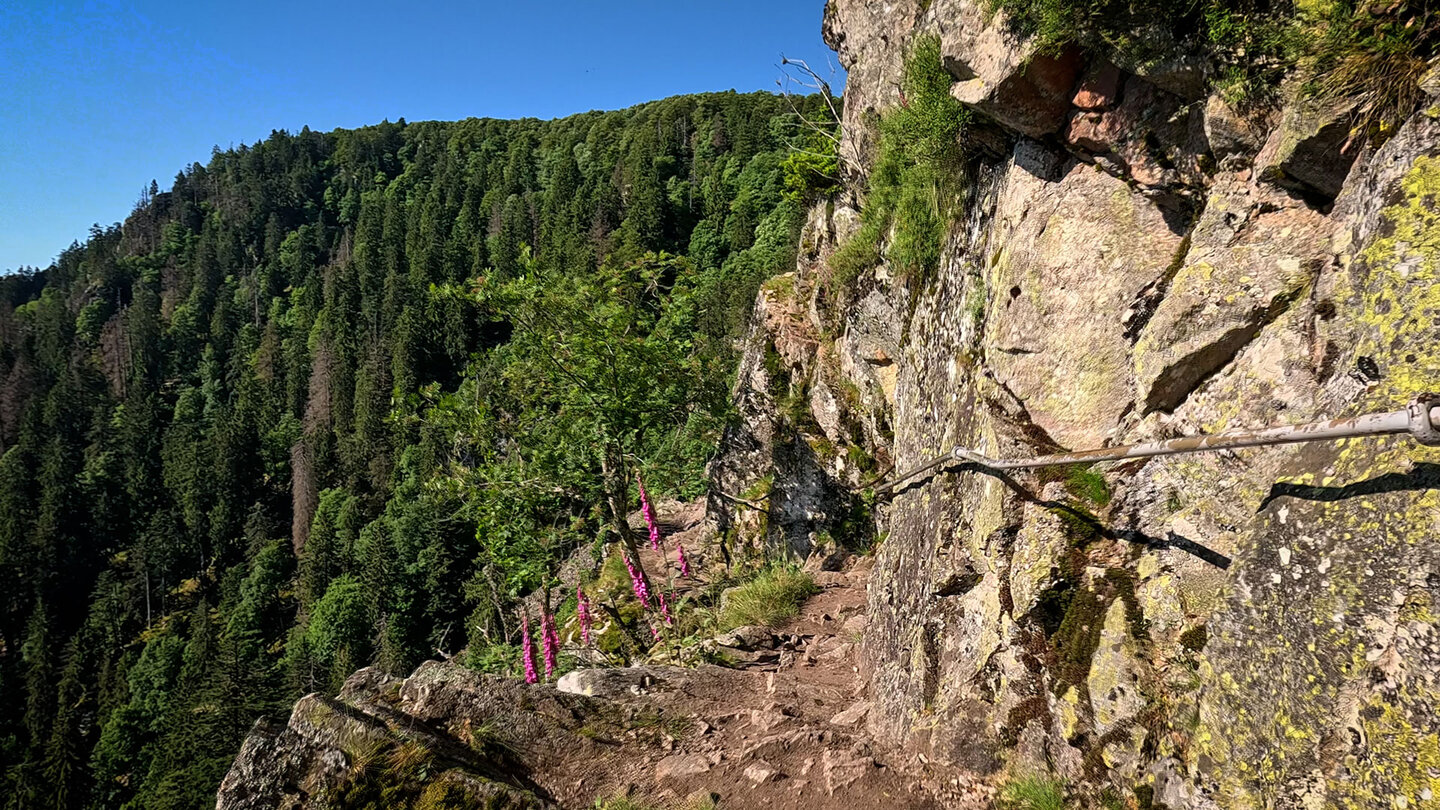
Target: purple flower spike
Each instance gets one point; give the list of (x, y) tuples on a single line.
[(637, 582), (527, 651), (647, 510), (583, 615), (683, 560), (550, 640)]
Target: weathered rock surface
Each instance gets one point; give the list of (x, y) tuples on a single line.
[(1071, 255), (1143, 261), (1311, 150), (1254, 253), (1007, 80), (334, 748)]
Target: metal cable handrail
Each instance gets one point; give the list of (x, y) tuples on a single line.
[(1421, 419)]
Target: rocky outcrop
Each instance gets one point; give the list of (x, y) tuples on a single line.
[(431, 738), (781, 483), (1137, 260)]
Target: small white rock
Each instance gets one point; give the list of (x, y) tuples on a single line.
[(762, 772)]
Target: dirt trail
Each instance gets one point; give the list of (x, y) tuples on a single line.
[(783, 728)]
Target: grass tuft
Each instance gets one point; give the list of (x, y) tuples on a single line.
[(773, 596), (917, 177), (1033, 793)]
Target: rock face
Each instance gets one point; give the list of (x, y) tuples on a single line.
[(1135, 261)]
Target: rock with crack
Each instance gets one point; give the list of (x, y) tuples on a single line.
[(1040, 546), (1073, 254), (330, 748), (1117, 693), (842, 769), (1253, 254), (1008, 80), (769, 718), (760, 773), (1299, 661), (682, 767), (853, 716), (1312, 149), (1151, 137)]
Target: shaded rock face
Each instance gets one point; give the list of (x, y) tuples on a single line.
[(781, 482), (1138, 261)]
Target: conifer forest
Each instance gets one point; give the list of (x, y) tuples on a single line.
[(340, 399)]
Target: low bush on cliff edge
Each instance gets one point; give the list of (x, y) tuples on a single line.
[(917, 177), (1373, 53)]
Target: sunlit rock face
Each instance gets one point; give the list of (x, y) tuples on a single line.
[(1133, 261)]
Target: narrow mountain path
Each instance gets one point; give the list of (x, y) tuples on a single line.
[(782, 725)]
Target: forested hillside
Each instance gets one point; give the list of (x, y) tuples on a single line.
[(341, 398)]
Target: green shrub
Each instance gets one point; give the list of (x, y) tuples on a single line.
[(917, 177), (812, 168), (773, 596), (1033, 793), (495, 659), (1376, 54), (1251, 42)]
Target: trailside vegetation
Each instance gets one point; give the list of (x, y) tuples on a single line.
[(342, 399)]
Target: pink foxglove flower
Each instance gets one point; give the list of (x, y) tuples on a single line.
[(550, 641), (683, 560), (655, 634), (637, 582), (664, 608), (648, 512), (582, 614), (527, 651)]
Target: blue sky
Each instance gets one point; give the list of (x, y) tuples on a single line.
[(97, 98)]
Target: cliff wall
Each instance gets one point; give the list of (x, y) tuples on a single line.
[(1134, 260)]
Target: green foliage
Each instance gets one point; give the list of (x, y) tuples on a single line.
[(918, 175), (812, 168), (1033, 793), (1375, 54), (772, 596), (337, 635), (1080, 480), (1251, 42), (340, 399)]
